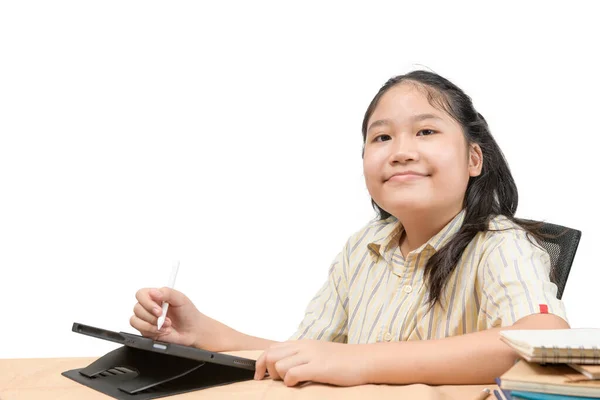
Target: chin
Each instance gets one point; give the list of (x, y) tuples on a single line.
[(400, 208)]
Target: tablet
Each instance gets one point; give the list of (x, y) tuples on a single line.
[(177, 350)]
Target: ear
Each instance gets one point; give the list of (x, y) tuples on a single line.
[(475, 159)]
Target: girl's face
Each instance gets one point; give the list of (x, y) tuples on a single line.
[(416, 157)]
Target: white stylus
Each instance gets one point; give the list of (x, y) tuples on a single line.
[(165, 305)]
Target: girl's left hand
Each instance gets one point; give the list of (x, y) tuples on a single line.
[(313, 360)]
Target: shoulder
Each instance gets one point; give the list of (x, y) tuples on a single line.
[(501, 230), (506, 240)]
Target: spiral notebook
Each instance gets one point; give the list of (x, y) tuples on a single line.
[(549, 379), (555, 346)]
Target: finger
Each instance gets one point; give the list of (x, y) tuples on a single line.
[(300, 373), (272, 371), (144, 298), (147, 329), (171, 296), (276, 354), (284, 365), (260, 367), (273, 354), (144, 315)]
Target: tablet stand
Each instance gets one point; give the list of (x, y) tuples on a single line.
[(129, 373)]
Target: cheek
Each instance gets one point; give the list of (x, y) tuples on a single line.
[(451, 168), (372, 172), (369, 164), (368, 170), (372, 166)]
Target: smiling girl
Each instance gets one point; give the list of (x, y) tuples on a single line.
[(420, 294)]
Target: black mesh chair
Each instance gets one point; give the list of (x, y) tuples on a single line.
[(562, 249)]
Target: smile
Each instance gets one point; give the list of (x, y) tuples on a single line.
[(406, 177)]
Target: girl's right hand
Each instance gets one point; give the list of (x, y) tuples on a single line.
[(184, 324)]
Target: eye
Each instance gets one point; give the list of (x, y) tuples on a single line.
[(382, 138), (426, 132)]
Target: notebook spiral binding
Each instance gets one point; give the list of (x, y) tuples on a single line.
[(551, 355)]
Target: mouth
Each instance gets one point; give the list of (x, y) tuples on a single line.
[(406, 177)]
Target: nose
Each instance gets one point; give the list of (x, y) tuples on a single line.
[(404, 150)]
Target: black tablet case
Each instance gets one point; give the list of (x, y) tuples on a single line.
[(145, 369)]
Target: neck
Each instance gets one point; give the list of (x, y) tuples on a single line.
[(419, 227)]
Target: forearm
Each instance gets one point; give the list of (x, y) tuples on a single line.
[(467, 359), (241, 341), (214, 335)]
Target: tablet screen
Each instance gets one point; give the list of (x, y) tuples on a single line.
[(144, 343)]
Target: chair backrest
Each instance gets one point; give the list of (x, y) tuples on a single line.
[(562, 251)]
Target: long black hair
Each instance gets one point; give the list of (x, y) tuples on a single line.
[(490, 194)]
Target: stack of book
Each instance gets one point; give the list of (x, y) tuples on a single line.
[(560, 364)]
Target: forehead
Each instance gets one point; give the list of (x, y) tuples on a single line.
[(403, 101)]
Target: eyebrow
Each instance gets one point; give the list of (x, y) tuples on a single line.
[(413, 119)]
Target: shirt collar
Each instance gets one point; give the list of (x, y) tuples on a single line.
[(388, 236)]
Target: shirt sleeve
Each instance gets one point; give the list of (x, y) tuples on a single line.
[(326, 316), (515, 282)]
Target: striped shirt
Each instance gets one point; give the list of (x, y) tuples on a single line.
[(374, 294)]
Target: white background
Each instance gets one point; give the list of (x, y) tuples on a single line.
[(228, 137)]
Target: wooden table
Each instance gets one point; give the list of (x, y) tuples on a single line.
[(35, 379)]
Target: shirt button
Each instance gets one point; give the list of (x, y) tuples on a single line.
[(407, 289), (387, 337)]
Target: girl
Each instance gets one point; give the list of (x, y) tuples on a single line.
[(420, 295)]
